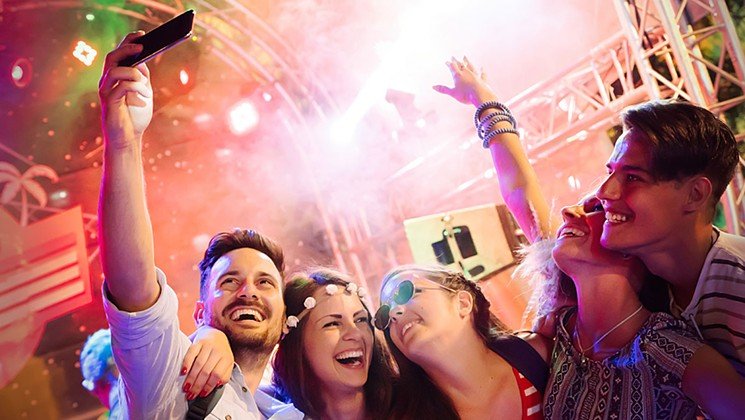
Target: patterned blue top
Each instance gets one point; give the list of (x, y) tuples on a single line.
[(641, 381)]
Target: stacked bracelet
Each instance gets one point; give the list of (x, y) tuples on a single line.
[(487, 138), (485, 126)]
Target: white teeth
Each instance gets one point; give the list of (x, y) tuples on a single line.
[(406, 327), (572, 232), (349, 354), (614, 217), (250, 312)]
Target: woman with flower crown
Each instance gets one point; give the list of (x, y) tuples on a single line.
[(329, 363), (613, 357)]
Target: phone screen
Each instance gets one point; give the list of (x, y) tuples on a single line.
[(161, 38)]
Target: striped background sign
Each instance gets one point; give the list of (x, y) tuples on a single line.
[(43, 268)]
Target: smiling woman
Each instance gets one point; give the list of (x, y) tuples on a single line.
[(329, 363)]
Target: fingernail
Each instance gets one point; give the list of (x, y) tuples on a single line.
[(186, 387), (183, 370), (204, 393), (190, 397)]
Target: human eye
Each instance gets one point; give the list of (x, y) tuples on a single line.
[(331, 324), (632, 178), (229, 283), (362, 320), (267, 282)]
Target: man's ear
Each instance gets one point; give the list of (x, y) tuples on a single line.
[(465, 303), (199, 314), (699, 194)]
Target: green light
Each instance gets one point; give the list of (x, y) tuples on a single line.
[(89, 17)]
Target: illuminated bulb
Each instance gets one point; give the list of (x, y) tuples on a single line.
[(243, 117), (17, 73), (85, 53)]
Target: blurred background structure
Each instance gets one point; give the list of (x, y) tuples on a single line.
[(314, 122)]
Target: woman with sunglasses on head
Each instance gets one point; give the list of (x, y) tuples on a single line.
[(613, 357), (329, 364), (456, 359)]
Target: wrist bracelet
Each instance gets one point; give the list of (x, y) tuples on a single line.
[(497, 132), (493, 120), (486, 105)]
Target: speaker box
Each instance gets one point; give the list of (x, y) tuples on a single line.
[(478, 241)]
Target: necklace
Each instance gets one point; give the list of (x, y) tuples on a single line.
[(602, 337)]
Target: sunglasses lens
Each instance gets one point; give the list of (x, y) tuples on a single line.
[(382, 317), (404, 292)]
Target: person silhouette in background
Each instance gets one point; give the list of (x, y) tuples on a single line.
[(100, 374)]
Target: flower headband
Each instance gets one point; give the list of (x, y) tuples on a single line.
[(310, 302)]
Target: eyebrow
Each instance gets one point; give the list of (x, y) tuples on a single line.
[(339, 316), (229, 273), (237, 273), (631, 168)]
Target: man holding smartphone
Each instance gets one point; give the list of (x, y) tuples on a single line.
[(141, 308)]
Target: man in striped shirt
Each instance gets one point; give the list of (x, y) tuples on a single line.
[(666, 174)]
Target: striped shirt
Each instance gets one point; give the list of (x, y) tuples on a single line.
[(718, 304), (529, 396)]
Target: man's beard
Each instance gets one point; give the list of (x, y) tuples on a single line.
[(248, 340)]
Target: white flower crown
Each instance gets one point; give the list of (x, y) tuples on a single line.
[(310, 302)]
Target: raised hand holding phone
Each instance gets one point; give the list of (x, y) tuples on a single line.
[(126, 97), (162, 38)]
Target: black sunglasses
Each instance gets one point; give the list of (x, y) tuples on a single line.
[(403, 293)]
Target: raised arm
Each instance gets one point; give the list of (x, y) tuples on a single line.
[(518, 182), (126, 233)]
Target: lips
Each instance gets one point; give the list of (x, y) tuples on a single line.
[(351, 358), (407, 326), (570, 231), (615, 218), (247, 314)]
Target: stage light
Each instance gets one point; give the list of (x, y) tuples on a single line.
[(243, 117), (89, 17), (203, 118), (183, 77), (85, 53), (21, 72), (574, 182)]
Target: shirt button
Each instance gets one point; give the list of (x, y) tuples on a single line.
[(244, 390)]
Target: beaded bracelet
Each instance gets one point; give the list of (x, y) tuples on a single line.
[(486, 105), (497, 132), (494, 120)]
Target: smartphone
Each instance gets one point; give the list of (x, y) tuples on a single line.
[(162, 38)]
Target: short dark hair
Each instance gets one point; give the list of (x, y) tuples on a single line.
[(416, 396), (224, 242), (686, 140), (295, 382)]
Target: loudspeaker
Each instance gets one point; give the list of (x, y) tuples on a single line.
[(478, 241)]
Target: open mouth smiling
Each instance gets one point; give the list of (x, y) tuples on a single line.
[(247, 314), (351, 358)]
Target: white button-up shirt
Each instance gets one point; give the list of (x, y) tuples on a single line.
[(149, 349)]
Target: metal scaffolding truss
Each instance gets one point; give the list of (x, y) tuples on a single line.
[(663, 51), (658, 54)]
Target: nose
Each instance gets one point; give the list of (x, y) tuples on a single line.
[(609, 189), (351, 331), (572, 212), (397, 313), (248, 291)]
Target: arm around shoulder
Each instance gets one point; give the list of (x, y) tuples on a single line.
[(714, 384)]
